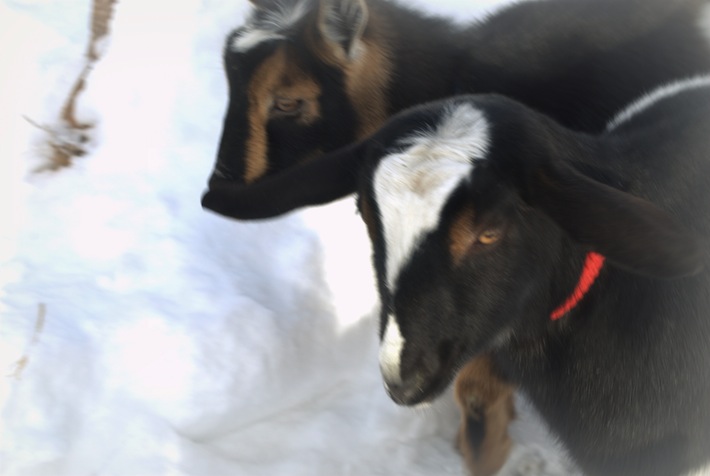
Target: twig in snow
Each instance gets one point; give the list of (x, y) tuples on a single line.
[(22, 362), (68, 138)]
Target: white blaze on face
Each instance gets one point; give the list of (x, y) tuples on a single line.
[(391, 351), (253, 37), (271, 26), (411, 188), (663, 92)]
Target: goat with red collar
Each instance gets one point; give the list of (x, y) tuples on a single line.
[(579, 261), (307, 77)]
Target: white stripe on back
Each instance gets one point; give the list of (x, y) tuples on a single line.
[(662, 92), (704, 22), (704, 471)]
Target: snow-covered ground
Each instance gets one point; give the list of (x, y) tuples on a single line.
[(140, 335)]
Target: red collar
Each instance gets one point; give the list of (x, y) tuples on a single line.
[(592, 266)]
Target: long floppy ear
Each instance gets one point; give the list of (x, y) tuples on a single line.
[(631, 232), (343, 22), (322, 180)]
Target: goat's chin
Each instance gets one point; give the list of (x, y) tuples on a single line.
[(427, 389), (435, 391), (424, 394)]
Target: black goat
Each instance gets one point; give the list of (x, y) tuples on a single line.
[(577, 261), (310, 76)]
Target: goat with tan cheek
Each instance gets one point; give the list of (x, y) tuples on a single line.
[(309, 76)]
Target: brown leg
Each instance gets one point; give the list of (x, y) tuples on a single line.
[(486, 404)]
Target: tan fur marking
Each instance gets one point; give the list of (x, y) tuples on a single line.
[(484, 397), (366, 83), (275, 78), (462, 235), (367, 75), (256, 147)]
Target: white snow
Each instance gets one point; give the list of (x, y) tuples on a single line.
[(140, 335)]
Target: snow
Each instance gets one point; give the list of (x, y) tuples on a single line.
[(140, 335)]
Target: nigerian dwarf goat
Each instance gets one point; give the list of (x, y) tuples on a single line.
[(309, 76), (579, 262)]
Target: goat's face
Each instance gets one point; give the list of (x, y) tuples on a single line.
[(478, 226), (449, 247), (304, 78)]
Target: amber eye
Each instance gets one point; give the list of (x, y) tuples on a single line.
[(489, 237), (287, 105)]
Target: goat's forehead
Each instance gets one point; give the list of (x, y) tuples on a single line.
[(411, 187), (270, 24)]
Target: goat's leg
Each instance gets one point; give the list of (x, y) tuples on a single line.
[(487, 407)]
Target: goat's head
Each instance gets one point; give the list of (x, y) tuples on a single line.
[(480, 217), (305, 77), (453, 243), (480, 222)]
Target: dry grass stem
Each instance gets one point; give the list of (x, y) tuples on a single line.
[(67, 140), (22, 362)]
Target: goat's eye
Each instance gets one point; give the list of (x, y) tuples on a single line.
[(288, 106), (488, 237)]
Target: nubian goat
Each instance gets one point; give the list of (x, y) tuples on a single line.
[(309, 76), (578, 262)]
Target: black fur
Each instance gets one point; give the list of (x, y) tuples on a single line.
[(578, 61), (289, 142), (624, 378), (319, 181)]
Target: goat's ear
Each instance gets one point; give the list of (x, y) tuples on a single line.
[(322, 180), (342, 23), (631, 232)]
